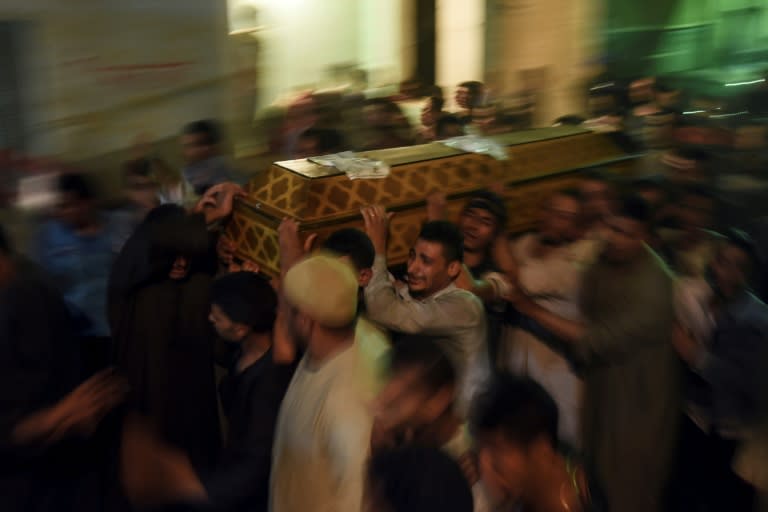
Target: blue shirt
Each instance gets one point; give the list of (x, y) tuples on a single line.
[(727, 377), (79, 266)]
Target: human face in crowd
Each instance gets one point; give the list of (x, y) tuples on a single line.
[(73, 210), (695, 212), (307, 146), (462, 97), (363, 276), (142, 191), (641, 90), (405, 403), (559, 221), (479, 227), (180, 268), (225, 327), (195, 148), (429, 115), (729, 271), (625, 239), (428, 269), (598, 199)]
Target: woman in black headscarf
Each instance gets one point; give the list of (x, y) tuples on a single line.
[(158, 311)]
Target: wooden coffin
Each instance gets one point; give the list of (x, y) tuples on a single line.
[(323, 200)]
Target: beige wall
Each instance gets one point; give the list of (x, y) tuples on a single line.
[(548, 45), (97, 73)]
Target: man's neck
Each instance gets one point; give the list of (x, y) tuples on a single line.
[(253, 347), (551, 490), (474, 258), (324, 345)]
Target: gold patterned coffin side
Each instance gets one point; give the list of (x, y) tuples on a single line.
[(323, 200)]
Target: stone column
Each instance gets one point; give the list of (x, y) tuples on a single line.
[(460, 43)]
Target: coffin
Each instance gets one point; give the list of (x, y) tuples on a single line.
[(323, 200)]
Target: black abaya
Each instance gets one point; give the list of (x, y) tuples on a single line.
[(163, 338)]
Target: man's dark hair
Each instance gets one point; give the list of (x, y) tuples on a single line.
[(518, 407), (444, 122), (418, 478), (436, 103), (475, 89), (491, 202), (570, 120), (448, 236), (246, 298), (354, 244), (741, 240), (634, 207), (570, 193), (75, 184), (328, 140), (207, 128), (436, 369)]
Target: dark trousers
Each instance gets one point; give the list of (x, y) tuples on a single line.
[(703, 479)]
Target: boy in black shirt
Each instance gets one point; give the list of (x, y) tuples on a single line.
[(243, 311)]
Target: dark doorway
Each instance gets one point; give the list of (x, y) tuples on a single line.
[(426, 41)]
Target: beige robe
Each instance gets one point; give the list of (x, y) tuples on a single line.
[(323, 437)]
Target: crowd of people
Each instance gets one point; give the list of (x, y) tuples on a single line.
[(614, 358)]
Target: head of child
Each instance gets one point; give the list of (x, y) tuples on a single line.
[(242, 304), (514, 422), (421, 387)]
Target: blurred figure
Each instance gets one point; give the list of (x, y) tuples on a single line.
[(682, 167), (243, 311), (515, 423), (76, 250), (431, 303), (723, 339), (469, 95), (598, 196), (46, 412), (430, 115), (173, 189), (690, 248), (417, 405), (158, 308), (316, 142), (622, 346), (482, 223), (656, 194), (550, 266), (415, 479), (205, 164), (324, 425), (386, 124), (354, 247), (300, 116), (142, 193), (448, 126)]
